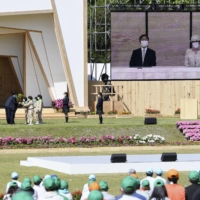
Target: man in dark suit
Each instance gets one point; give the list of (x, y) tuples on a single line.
[(11, 107), (144, 56), (99, 107)]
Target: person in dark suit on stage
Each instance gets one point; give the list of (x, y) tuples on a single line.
[(144, 56), (66, 106), (99, 107), (11, 107)]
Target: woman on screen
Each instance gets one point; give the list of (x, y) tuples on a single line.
[(192, 56)]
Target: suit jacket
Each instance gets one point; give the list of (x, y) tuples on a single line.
[(99, 106), (11, 103), (149, 60), (65, 102)]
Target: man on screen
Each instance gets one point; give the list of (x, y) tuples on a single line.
[(144, 56)]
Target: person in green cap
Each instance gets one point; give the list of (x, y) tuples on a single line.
[(13, 187), (159, 191), (23, 196), (26, 187), (14, 177), (50, 193), (37, 187), (104, 189), (95, 195), (64, 190), (146, 187), (57, 187), (128, 187), (191, 189)]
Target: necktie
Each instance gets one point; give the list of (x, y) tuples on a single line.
[(143, 55)]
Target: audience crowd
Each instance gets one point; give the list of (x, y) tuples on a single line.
[(50, 187)]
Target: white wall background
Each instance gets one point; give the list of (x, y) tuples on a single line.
[(44, 23), (35, 83), (24, 5), (73, 36)]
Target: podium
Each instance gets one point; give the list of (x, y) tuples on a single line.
[(188, 109)]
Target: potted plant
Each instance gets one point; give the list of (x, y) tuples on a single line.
[(85, 113), (57, 105)]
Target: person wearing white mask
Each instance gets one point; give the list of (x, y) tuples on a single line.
[(144, 56), (192, 56)]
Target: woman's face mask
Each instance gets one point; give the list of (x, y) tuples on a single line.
[(195, 45), (38, 98)]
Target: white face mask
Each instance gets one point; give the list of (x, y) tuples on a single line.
[(195, 45), (144, 43)]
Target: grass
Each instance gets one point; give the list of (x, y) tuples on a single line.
[(10, 163), (79, 127)]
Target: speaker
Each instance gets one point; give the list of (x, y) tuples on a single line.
[(150, 120), (118, 158), (169, 157)]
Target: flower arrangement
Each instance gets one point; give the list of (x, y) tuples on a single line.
[(124, 113), (85, 113), (112, 112), (57, 104), (152, 111), (76, 195), (178, 111), (190, 129), (1, 196), (89, 141)]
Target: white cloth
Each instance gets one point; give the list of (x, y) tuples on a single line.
[(50, 195), (166, 198), (68, 195), (161, 178), (8, 184), (107, 196), (151, 182), (128, 197), (85, 188), (192, 59), (39, 189), (85, 195), (142, 193)]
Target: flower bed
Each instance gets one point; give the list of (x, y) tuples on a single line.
[(90, 141), (152, 111), (190, 129)]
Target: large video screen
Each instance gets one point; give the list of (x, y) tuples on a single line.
[(169, 37)]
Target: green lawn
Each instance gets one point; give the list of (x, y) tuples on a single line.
[(10, 163), (88, 127)]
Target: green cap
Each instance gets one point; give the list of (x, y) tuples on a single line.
[(22, 195), (36, 179), (26, 185), (95, 195), (129, 183), (145, 183), (194, 176), (57, 183), (90, 181), (27, 180), (158, 183), (13, 184), (49, 184), (63, 185), (103, 185)]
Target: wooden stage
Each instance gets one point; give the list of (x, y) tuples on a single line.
[(47, 113)]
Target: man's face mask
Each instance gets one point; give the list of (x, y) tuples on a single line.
[(144, 43), (195, 45)]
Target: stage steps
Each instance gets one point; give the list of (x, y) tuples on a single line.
[(47, 113)]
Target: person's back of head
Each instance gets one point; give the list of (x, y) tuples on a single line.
[(94, 186), (173, 176), (103, 186), (159, 172), (149, 172), (49, 184), (37, 180), (194, 177), (159, 191), (95, 195), (14, 176), (129, 185), (145, 185)]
